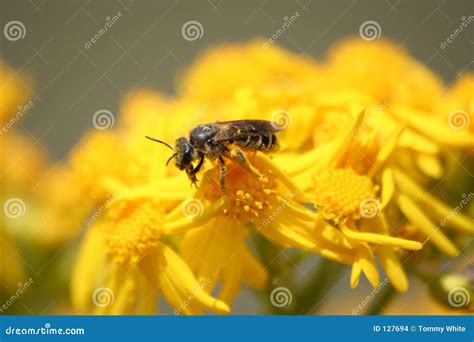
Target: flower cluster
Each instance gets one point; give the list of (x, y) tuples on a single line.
[(368, 134)]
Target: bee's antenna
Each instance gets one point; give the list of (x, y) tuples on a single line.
[(174, 155), (159, 141)]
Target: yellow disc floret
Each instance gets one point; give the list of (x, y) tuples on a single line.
[(339, 193), (133, 229)]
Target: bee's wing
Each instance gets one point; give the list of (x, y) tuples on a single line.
[(231, 130)]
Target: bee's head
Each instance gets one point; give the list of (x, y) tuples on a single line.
[(185, 153)]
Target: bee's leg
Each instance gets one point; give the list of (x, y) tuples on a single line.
[(192, 177), (223, 172), (238, 155), (198, 166)]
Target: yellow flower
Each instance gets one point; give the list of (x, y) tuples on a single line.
[(222, 70), (15, 91), (132, 266), (215, 247), (344, 187), (21, 164)]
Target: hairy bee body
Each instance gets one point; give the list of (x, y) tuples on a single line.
[(223, 139)]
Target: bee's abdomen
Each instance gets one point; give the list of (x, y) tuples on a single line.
[(258, 142)]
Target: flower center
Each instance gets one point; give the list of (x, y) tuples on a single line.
[(340, 193), (133, 229), (251, 196)]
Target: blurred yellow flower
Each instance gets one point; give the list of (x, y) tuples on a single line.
[(21, 164)]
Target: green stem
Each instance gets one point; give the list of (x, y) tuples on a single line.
[(315, 293)]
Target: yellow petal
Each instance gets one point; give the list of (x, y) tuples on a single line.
[(178, 283), (172, 189), (344, 139), (232, 265), (189, 222), (367, 263), (253, 272), (435, 128), (355, 274), (430, 165), (422, 222), (126, 298), (439, 210), (85, 274), (380, 239), (392, 267), (415, 141), (385, 151), (388, 187)]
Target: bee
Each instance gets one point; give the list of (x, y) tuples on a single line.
[(223, 140)]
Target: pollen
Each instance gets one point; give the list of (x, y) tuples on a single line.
[(133, 229), (339, 193), (251, 197)]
